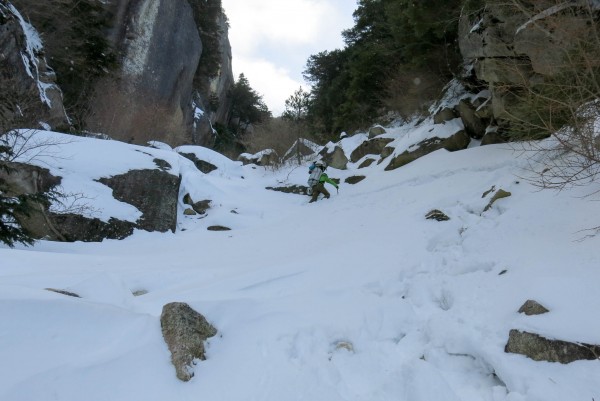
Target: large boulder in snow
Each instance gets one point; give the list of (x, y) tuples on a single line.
[(201, 165), (376, 131), (371, 147), (266, 157), (335, 158), (458, 141), (300, 149), (539, 348), (153, 192), (185, 330), (25, 179), (475, 126)]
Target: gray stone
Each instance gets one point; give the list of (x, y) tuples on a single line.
[(444, 114), (493, 137), (458, 141), (498, 195), (531, 307), (474, 125), (336, 158), (354, 179), (292, 189), (299, 148), (539, 348), (185, 331), (25, 179), (153, 192), (436, 214), (218, 228), (366, 163), (375, 131), (63, 292), (371, 147), (201, 165)]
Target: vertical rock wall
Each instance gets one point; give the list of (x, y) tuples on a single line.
[(29, 96)]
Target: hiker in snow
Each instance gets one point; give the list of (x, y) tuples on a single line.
[(317, 180)]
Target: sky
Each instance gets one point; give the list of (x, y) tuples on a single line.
[(272, 39), (355, 298)]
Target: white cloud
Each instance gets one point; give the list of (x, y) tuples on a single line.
[(272, 39), (272, 82)]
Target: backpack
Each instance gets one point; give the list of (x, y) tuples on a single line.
[(313, 178)]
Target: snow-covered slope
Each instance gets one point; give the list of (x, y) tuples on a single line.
[(358, 297)]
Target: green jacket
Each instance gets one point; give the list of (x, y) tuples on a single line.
[(324, 178)]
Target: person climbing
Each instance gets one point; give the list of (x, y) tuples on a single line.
[(317, 180)]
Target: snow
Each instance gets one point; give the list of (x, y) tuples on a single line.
[(358, 297)]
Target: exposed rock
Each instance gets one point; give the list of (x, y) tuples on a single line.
[(355, 179), (63, 292), (387, 151), (375, 131), (185, 330), (444, 114), (26, 78), (498, 195), (436, 214), (41, 223), (371, 147), (268, 158), (199, 207), (489, 191), (153, 192), (201, 165), (366, 163), (160, 57), (458, 141), (202, 206), (492, 137), (299, 148), (336, 158), (539, 348), (189, 212), (264, 158), (139, 293), (474, 125), (215, 91), (74, 227), (159, 89), (531, 307), (218, 228), (292, 189), (510, 48)]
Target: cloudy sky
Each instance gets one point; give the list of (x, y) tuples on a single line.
[(272, 39)]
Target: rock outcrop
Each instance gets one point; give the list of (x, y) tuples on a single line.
[(510, 48), (149, 82), (153, 192), (28, 91), (458, 141)]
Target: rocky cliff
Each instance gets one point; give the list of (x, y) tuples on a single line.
[(30, 96), (135, 70), (520, 48)]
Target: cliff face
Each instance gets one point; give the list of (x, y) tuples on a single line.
[(28, 93), (514, 49), (144, 84)]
